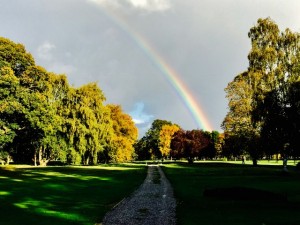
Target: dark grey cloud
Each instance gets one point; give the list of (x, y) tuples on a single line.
[(204, 41)]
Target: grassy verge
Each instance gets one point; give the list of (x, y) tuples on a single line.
[(64, 195), (190, 182)]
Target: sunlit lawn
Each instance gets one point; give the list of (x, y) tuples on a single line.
[(190, 181), (64, 195)]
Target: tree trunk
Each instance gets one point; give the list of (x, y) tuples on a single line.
[(42, 161), (254, 161), (285, 164), (7, 159), (190, 160), (93, 156), (34, 158)]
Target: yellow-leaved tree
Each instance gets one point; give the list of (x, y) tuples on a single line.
[(125, 135), (165, 137)]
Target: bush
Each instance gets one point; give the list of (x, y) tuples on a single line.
[(73, 157)]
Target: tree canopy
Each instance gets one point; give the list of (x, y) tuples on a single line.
[(264, 107), (43, 118)]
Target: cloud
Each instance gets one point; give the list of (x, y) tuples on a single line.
[(138, 121), (139, 116), (62, 68), (52, 59), (44, 50), (151, 5), (205, 42), (146, 5), (141, 119)]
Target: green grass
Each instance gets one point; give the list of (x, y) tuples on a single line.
[(190, 181), (64, 195)]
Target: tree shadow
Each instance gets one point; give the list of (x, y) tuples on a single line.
[(61, 195)]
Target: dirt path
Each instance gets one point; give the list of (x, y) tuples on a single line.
[(153, 203)]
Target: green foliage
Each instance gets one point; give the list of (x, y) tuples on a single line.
[(14, 56), (43, 118), (87, 121), (165, 139), (73, 157), (263, 101), (148, 146)]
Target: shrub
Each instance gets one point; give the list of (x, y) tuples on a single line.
[(73, 157)]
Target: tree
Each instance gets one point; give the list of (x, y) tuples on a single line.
[(278, 53), (259, 120), (213, 141), (43, 118), (191, 144), (14, 56), (41, 112), (178, 143), (149, 144), (240, 131), (27, 117), (87, 121), (165, 136), (9, 106), (124, 135)]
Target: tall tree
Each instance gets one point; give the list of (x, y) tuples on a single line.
[(278, 53), (273, 70), (240, 131), (43, 118), (124, 135), (88, 122), (10, 108), (165, 136)]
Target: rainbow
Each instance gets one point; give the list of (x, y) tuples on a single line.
[(169, 73)]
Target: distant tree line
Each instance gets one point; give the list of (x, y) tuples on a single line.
[(43, 118), (165, 140), (264, 101)]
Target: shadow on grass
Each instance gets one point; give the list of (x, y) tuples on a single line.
[(64, 195), (224, 204)]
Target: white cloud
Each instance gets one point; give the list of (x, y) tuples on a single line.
[(139, 116), (138, 121), (141, 119), (44, 50), (113, 3), (146, 5), (52, 60), (151, 5)]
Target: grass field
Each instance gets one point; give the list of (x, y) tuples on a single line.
[(190, 182), (64, 195)]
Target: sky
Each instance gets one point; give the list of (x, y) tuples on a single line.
[(158, 59)]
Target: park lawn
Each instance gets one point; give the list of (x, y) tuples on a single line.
[(64, 195), (190, 181)]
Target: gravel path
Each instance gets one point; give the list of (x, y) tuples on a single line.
[(153, 203)]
